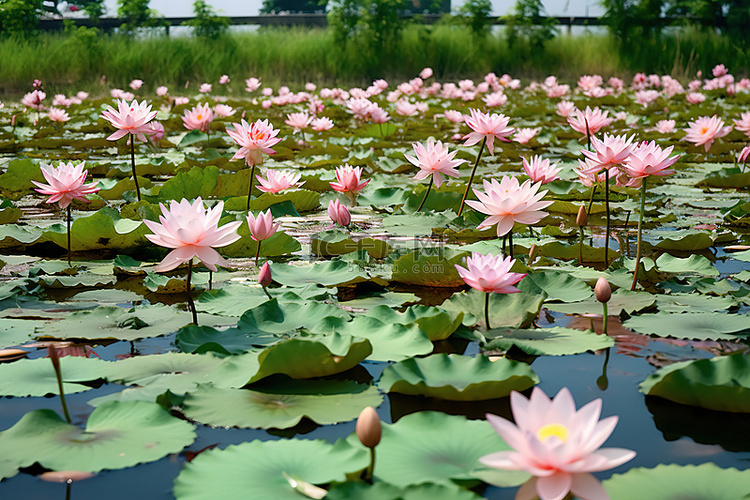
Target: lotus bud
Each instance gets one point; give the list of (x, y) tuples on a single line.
[(582, 219), (602, 290), (264, 278), (65, 476), (339, 213), (368, 427), (533, 252), (742, 158)]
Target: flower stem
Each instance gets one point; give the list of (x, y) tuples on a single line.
[(266, 292), (604, 318), (640, 232), (588, 133), (510, 243), (191, 304), (427, 193), (132, 164), (55, 358), (606, 203), (487, 309), (69, 264), (591, 200), (250, 189), (580, 246), (257, 253), (471, 177), (370, 468)]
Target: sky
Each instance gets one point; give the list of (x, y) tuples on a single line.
[(183, 8)]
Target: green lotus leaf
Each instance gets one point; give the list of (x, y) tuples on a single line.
[(365, 301), (281, 406), (559, 250), (384, 491), (19, 174), (430, 268), (8, 468), (102, 230), (36, 377), (435, 322), (555, 341), (515, 310), (198, 181), (10, 214), (312, 356), (302, 199), (278, 244), (383, 196), (695, 264), (743, 256), (721, 383), (272, 317), (262, 467), (434, 447), (202, 339), (561, 286), (457, 378), (16, 331), (13, 236), (622, 300), (672, 482), (688, 240), (117, 435), (330, 273), (685, 302), (390, 341), (162, 284), (234, 299), (335, 242), (698, 326), (178, 372), (727, 178), (419, 224), (84, 280)]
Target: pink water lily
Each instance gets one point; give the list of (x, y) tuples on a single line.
[(130, 119), (338, 213), (558, 445), (254, 140), (66, 183), (192, 231), (704, 130), (349, 181), (434, 159), (279, 180), (487, 126), (590, 121), (262, 226), (648, 159), (609, 152), (489, 273), (198, 118), (299, 121), (540, 169)]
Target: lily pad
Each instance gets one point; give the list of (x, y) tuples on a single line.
[(561, 286), (335, 242), (331, 273), (457, 378), (555, 341), (36, 377), (695, 264), (671, 482), (700, 326), (262, 467), (721, 383), (281, 406), (385, 491), (435, 322), (117, 435), (436, 268), (622, 300)]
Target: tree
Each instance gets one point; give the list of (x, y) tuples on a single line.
[(206, 24), (529, 28), (137, 15), (20, 17)]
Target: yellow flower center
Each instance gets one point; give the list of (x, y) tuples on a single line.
[(557, 430), (704, 130)]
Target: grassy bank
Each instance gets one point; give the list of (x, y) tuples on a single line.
[(293, 56)]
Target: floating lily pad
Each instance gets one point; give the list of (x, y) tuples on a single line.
[(561, 286), (695, 264), (384, 491), (622, 300), (555, 341), (102, 230), (434, 447), (671, 482), (281, 406), (685, 302), (262, 467), (16, 331), (689, 240), (435, 322), (36, 377), (429, 269), (457, 378), (331, 273), (337, 242), (278, 244), (721, 383), (700, 326), (117, 435)]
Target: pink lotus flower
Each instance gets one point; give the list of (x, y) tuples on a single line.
[(646, 97), (453, 116), (359, 107), (299, 121), (58, 115), (338, 213), (540, 169), (425, 73), (405, 108), (434, 159), (705, 130), (278, 181), (665, 126), (130, 119), (252, 84), (719, 70), (158, 132), (648, 159), (506, 202), (192, 231), (695, 97), (179, 101), (198, 118), (488, 273), (494, 126), (264, 277), (66, 183), (595, 119), (558, 445), (321, 124), (224, 110), (254, 140), (224, 79), (348, 180), (495, 99), (609, 152), (743, 124), (262, 227), (742, 158), (136, 84), (34, 100), (565, 108), (205, 88), (161, 91), (378, 115), (524, 135)]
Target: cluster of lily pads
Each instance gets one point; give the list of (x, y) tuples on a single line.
[(363, 291)]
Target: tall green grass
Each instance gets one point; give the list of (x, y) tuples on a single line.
[(292, 56)]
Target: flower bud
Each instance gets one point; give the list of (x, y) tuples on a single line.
[(368, 427), (339, 213), (264, 278), (533, 252), (582, 218), (742, 158), (602, 290)]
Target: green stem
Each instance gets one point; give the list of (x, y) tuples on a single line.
[(191, 304), (250, 189), (604, 318), (580, 245), (471, 177), (210, 279), (69, 264), (370, 468), (427, 193), (132, 164), (487, 309), (588, 133), (606, 203), (640, 232), (257, 254), (591, 200), (53, 356), (266, 292), (510, 243)]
